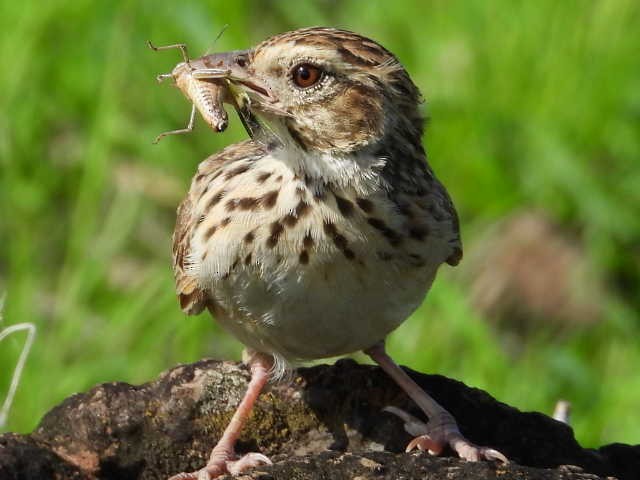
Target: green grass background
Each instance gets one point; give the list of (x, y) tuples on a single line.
[(533, 105)]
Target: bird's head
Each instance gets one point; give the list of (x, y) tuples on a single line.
[(325, 90)]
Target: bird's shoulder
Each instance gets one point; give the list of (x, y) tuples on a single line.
[(192, 298)]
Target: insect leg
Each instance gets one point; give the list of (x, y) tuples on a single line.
[(187, 129), (210, 73), (181, 46)]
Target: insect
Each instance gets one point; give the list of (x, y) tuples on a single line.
[(205, 86)]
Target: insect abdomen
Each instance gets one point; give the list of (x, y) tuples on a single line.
[(207, 98)]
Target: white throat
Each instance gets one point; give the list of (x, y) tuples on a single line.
[(357, 170)]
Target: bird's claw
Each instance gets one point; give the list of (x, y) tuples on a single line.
[(424, 443), (221, 467), (250, 460), (435, 435)]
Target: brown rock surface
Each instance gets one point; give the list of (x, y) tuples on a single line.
[(324, 424)]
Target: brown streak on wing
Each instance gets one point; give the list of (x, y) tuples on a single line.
[(191, 297)]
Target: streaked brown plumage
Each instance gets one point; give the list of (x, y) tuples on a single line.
[(321, 234)]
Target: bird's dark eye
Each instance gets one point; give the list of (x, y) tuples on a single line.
[(306, 75)]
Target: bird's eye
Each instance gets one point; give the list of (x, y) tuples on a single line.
[(306, 75)]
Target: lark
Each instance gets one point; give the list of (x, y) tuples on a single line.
[(322, 233)]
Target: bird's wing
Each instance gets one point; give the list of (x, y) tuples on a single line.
[(439, 212), (424, 202), (193, 299), (455, 241)]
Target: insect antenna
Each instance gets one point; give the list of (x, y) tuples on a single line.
[(215, 40)]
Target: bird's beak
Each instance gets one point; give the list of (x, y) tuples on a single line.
[(235, 68)]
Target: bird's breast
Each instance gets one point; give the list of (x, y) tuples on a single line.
[(303, 269)]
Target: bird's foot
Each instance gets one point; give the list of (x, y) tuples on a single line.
[(441, 431), (221, 465)]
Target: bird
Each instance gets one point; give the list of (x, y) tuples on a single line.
[(321, 233)]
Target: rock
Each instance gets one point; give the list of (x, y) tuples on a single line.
[(324, 423), (23, 457)]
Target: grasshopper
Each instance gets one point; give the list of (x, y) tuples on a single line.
[(204, 86)]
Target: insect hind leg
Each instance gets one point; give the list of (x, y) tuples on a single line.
[(180, 46), (187, 129)]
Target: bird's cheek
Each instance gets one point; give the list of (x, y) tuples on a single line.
[(331, 129), (356, 119)]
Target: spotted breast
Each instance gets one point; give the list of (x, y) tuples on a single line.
[(302, 269)]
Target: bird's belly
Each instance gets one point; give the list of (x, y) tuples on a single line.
[(332, 309)]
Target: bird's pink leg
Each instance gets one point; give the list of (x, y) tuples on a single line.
[(442, 429), (223, 458)]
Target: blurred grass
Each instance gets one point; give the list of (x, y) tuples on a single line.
[(533, 105)]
